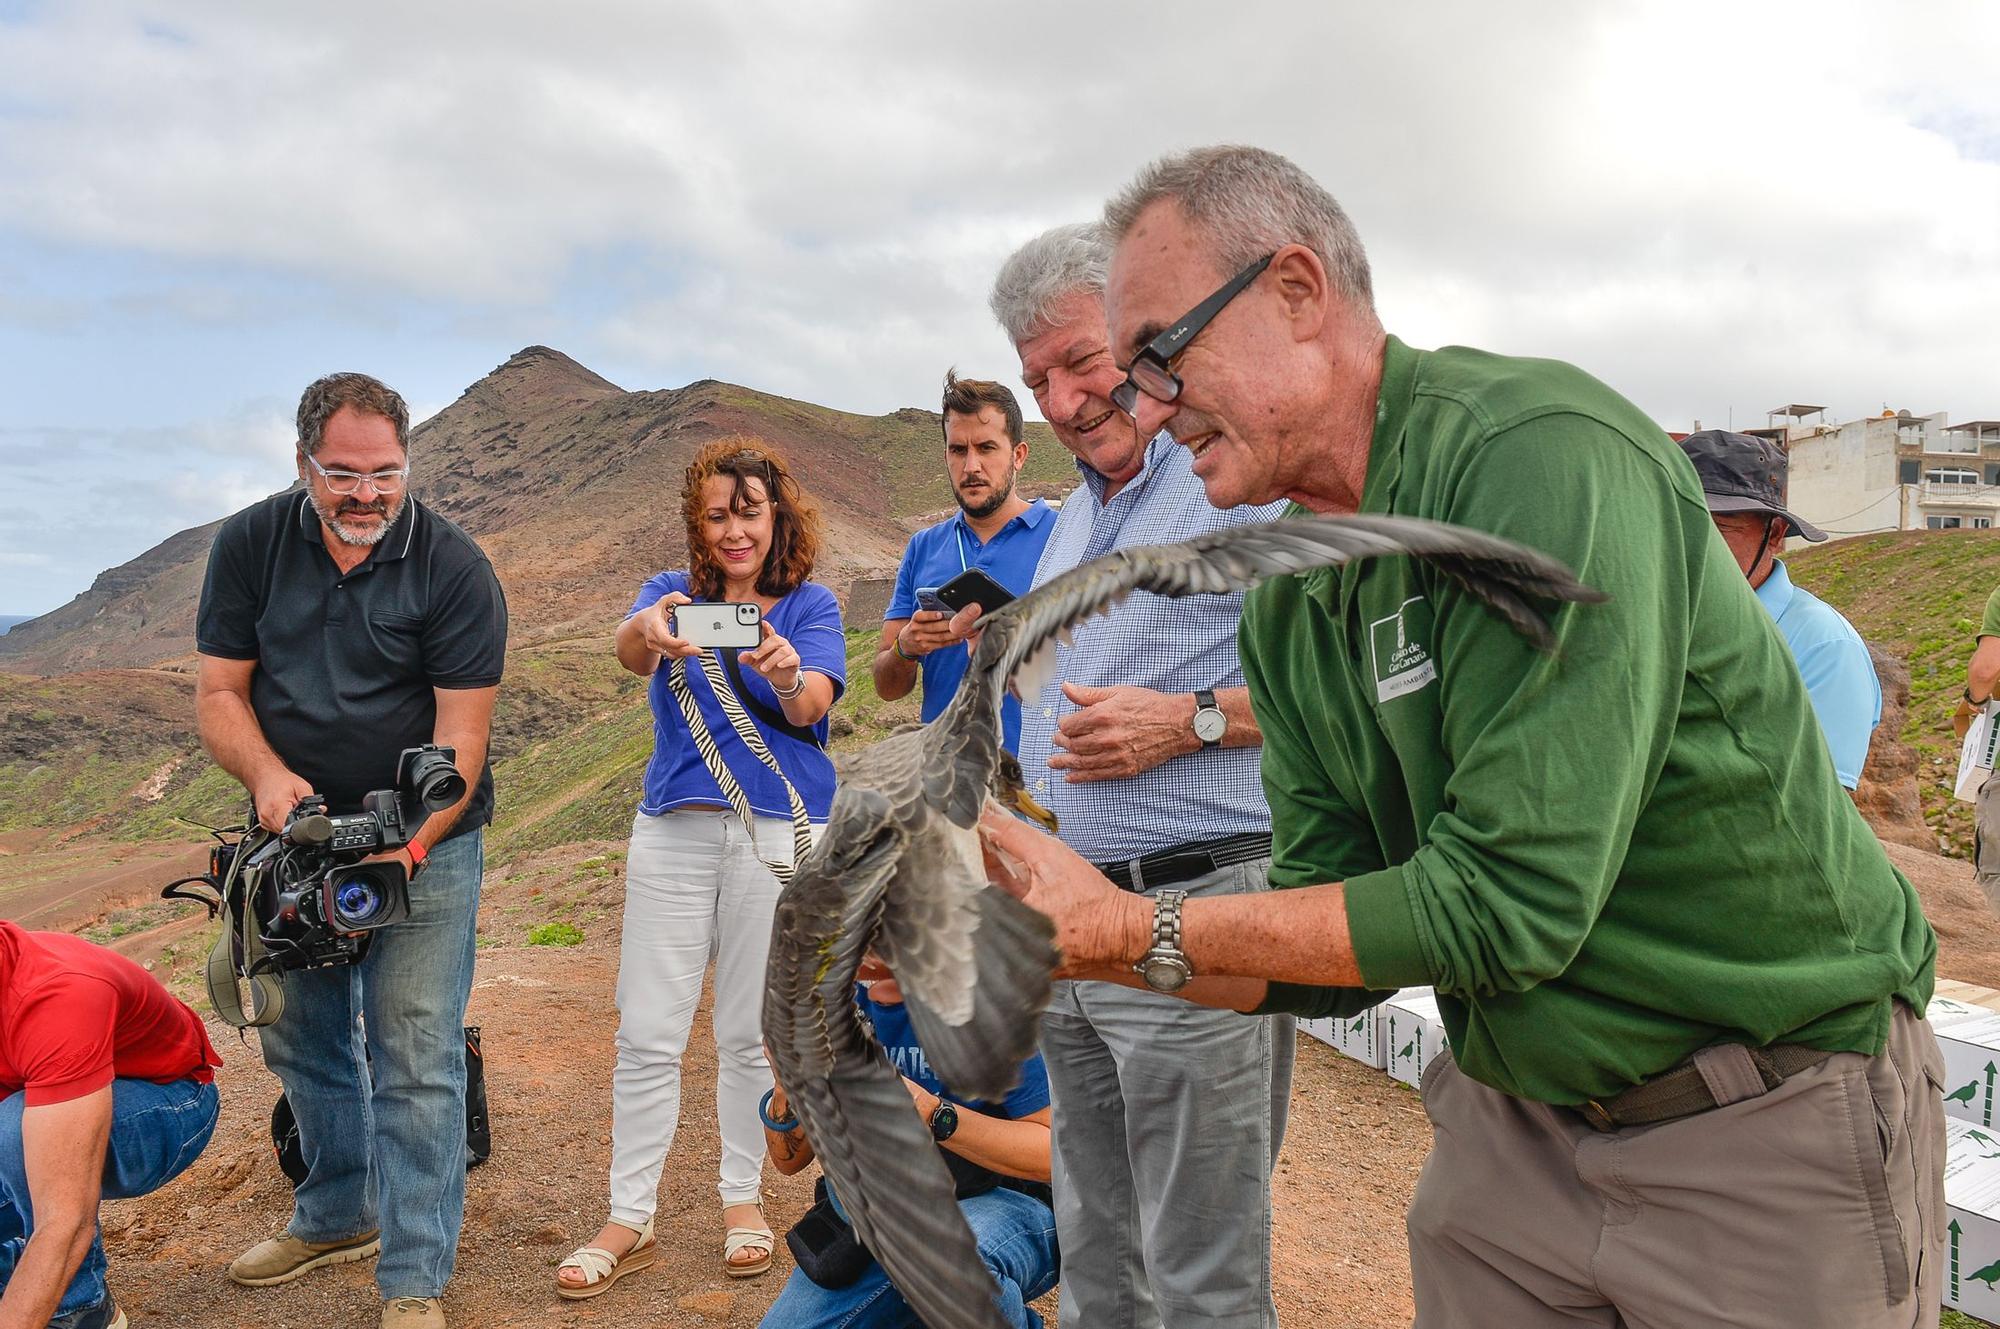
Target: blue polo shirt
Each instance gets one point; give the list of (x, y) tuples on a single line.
[(1840, 678), (937, 554)]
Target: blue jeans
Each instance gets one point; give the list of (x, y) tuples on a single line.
[(156, 1131), (1017, 1239), (394, 1158)]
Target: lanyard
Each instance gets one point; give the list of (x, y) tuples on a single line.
[(958, 535)]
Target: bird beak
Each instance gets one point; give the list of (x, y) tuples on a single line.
[(1033, 811)]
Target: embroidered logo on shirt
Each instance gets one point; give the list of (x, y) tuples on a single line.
[(1397, 653)]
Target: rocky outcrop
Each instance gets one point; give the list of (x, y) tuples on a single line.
[(867, 601)]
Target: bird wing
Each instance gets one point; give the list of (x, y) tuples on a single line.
[(896, 1191), (1017, 643), (973, 963), (819, 931), (872, 1146)]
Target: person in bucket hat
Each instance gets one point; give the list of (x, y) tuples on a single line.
[(1744, 480)]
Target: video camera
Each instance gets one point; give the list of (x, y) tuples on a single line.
[(303, 898)]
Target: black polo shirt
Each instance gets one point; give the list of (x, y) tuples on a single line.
[(346, 663)]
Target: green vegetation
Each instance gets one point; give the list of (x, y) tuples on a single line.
[(571, 740), (555, 934), (72, 788), (1917, 595), (861, 717), (143, 918)]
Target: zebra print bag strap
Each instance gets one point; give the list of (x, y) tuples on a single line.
[(711, 757)]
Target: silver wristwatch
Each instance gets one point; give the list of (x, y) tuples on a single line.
[(1210, 724), (1165, 967)]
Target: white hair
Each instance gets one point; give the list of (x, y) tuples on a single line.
[(1248, 203), (1055, 264)]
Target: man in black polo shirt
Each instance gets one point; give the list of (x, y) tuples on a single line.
[(341, 623)]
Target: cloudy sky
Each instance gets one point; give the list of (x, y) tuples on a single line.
[(203, 205)]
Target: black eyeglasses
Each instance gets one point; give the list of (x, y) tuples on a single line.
[(1152, 368)]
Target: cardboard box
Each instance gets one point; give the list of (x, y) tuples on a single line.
[(1970, 1039), (1972, 1231), (1320, 1027), (1411, 1034), (1967, 994), (1360, 1036)]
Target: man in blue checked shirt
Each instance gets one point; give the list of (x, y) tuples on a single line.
[(1168, 1116), (994, 530)]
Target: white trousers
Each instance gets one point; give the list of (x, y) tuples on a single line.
[(695, 891)]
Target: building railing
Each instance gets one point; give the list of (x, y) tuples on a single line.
[(1958, 491)]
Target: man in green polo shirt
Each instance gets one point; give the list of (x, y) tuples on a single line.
[(1690, 1081), (1981, 677)]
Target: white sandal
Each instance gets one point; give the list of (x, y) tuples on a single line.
[(600, 1268), (738, 1239)]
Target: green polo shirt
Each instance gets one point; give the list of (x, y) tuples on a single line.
[(1989, 622), (1603, 858)]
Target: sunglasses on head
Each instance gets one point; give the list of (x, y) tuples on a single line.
[(1152, 369)]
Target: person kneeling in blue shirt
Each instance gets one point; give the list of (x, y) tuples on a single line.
[(1744, 480), (1009, 1141)]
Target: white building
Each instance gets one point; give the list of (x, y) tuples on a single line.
[(1891, 472)]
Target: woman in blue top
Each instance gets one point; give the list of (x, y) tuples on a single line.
[(697, 884)]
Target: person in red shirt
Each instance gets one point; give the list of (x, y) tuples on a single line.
[(106, 1092)]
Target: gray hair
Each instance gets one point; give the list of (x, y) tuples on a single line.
[(1248, 203), (1054, 264), (325, 396)]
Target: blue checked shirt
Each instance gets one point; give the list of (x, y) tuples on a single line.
[(1150, 642)]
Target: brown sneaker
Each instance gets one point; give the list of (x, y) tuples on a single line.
[(413, 1313), (284, 1257)]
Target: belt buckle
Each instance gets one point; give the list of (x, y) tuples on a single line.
[(1598, 1118)]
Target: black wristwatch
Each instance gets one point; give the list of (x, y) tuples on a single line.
[(1210, 724), (944, 1121), (1165, 966)]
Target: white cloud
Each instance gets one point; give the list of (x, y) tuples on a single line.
[(1713, 206)]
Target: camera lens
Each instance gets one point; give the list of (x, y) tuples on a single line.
[(365, 896), (435, 781), (355, 904), (746, 613)]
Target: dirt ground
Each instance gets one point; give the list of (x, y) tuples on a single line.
[(1350, 1162)]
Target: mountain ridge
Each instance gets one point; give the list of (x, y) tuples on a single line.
[(570, 483)]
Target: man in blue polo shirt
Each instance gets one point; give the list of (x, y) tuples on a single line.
[(994, 530), (1744, 480)]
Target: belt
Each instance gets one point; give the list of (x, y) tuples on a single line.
[(1713, 1077), (1185, 862)]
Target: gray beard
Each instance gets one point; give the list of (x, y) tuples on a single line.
[(347, 536)]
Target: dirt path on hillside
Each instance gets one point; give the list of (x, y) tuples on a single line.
[(1350, 1163), (61, 890)]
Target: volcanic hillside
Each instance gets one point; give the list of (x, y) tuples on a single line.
[(571, 485)]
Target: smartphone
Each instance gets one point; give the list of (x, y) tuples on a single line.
[(974, 587), (927, 598), (724, 626)]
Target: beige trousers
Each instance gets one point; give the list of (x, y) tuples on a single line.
[(1819, 1203), (1986, 840)]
